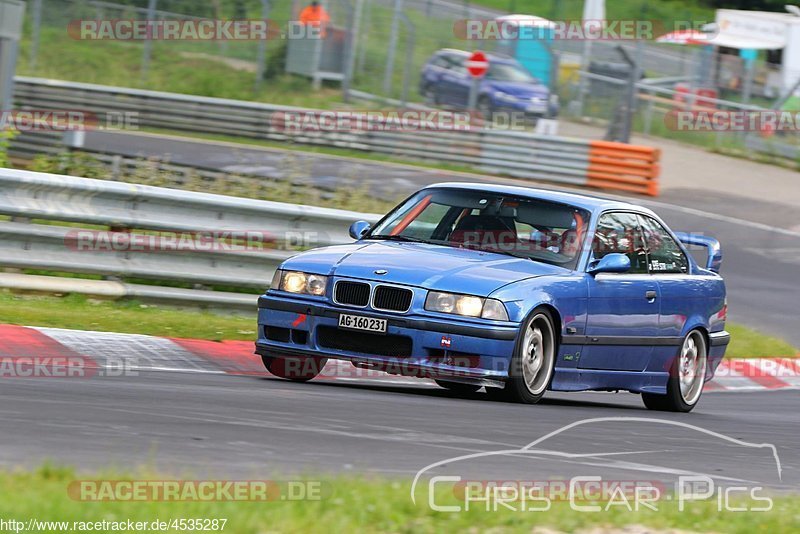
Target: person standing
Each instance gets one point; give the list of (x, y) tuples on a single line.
[(315, 16)]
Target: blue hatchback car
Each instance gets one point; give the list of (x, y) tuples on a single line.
[(514, 289), (507, 86)]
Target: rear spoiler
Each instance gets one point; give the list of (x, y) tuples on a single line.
[(714, 261)]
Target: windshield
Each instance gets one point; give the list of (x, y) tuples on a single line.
[(517, 226), (505, 72)]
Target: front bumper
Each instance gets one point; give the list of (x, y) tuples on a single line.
[(414, 345)]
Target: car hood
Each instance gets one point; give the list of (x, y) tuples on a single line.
[(519, 89), (423, 265)]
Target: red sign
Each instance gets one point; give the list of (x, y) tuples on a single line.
[(477, 64)]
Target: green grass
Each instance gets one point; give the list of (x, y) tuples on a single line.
[(352, 504), (78, 312), (747, 343), (317, 149), (118, 63)]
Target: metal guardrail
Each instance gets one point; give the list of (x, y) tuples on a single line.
[(520, 154), (58, 248), (123, 205), (141, 212), (774, 145)]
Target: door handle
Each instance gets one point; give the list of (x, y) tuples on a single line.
[(651, 295)]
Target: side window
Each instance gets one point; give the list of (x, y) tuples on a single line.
[(459, 67), (621, 233), (441, 61), (666, 255)]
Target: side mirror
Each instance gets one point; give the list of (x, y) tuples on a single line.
[(610, 263), (358, 229)]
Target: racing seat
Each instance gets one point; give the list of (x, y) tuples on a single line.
[(485, 232)]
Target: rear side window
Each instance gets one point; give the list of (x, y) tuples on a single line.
[(441, 61), (458, 66), (666, 255), (620, 233)]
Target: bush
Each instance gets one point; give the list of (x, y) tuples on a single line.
[(5, 143), (71, 163), (276, 59)]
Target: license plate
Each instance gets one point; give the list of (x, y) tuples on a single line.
[(358, 322)]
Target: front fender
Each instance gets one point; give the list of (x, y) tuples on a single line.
[(567, 295)]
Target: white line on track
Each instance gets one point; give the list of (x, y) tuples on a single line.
[(721, 218)]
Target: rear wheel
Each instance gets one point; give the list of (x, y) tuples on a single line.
[(296, 369), (458, 387), (532, 365), (686, 377)]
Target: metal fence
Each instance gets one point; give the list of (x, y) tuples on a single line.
[(155, 234), (375, 46), (369, 60), (655, 106), (49, 23)]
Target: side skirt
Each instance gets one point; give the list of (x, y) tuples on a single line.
[(570, 379)]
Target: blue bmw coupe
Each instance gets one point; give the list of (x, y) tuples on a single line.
[(514, 289)]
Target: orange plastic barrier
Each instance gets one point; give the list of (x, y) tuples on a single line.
[(623, 167)]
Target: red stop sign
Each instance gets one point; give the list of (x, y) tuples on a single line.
[(477, 64)]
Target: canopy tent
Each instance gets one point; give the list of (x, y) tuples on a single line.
[(531, 21), (684, 37), (745, 43)]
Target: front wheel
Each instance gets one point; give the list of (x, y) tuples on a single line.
[(430, 95), (687, 376), (485, 109), (295, 369), (532, 365)]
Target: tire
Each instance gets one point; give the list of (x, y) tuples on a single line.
[(430, 95), (532, 365), (458, 387), (686, 377), (295, 369)]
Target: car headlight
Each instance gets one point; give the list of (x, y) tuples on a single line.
[(466, 305), (494, 309), (298, 282)]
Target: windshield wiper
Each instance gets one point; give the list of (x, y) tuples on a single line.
[(401, 238)]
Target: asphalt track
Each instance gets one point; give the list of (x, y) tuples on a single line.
[(248, 427)]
